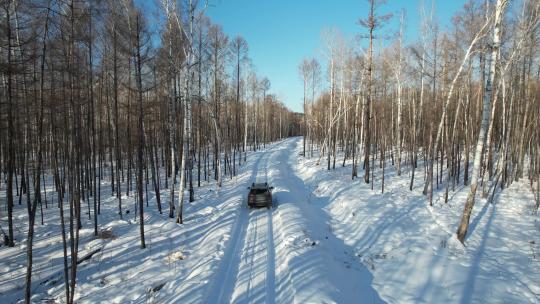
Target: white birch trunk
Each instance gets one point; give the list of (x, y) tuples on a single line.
[(427, 188), (486, 113), (218, 158), (182, 171), (398, 80), (245, 130), (256, 122), (331, 106)]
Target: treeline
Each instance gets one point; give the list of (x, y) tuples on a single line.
[(461, 105), (146, 100)]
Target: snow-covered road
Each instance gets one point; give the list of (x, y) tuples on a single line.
[(247, 268), (287, 254)]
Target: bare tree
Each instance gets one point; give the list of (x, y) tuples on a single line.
[(239, 49), (372, 22), (486, 116)]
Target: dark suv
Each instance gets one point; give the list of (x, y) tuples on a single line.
[(260, 195)]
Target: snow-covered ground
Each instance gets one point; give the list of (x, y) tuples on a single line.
[(328, 240), (411, 249)]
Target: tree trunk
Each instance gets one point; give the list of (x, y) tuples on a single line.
[(464, 225)]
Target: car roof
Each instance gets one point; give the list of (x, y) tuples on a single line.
[(259, 185)]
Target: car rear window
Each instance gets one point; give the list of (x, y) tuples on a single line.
[(258, 191)]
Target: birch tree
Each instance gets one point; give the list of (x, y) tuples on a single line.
[(486, 116)]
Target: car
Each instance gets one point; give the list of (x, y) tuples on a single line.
[(260, 195)]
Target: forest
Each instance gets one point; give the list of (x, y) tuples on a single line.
[(147, 114), (449, 99)]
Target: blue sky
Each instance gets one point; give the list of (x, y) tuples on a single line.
[(281, 33)]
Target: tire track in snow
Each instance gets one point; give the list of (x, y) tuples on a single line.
[(225, 278), (255, 281), (249, 254), (271, 261), (247, 267)]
